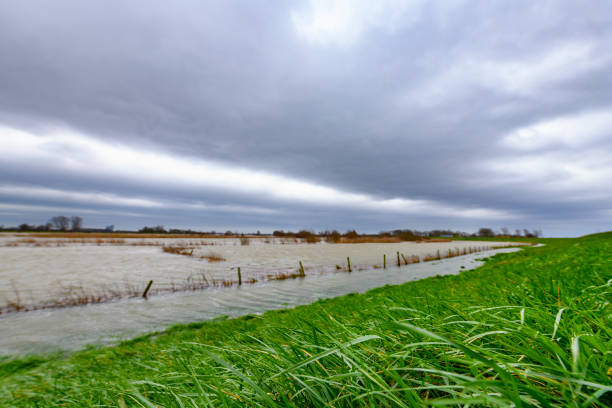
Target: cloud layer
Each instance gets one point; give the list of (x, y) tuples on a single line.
[(320, 115)]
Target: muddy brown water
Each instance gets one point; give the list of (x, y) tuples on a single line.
[(40, 273)]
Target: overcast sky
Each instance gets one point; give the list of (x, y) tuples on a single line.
[(249, 115)]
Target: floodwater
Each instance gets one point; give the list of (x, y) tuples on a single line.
[(41, 272), (32, 275)]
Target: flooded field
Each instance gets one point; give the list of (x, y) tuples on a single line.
[(73, 328), (38, 272)]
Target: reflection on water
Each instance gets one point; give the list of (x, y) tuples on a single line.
[(73, 328)]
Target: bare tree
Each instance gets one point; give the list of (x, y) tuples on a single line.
[(517, 232), (77, 223), (505, 231), (60, 222)]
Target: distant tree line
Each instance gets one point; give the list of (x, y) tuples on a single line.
[(336, 236), (410, 235), (505, 232), (75, 223), (57, 223), (160, 229)]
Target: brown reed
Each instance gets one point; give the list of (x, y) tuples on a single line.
[(178, 250), (212, 257), (365, 240), (77, 295)]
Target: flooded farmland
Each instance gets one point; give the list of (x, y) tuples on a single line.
[(35, 272)]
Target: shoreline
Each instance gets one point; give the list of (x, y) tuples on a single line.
[(75, 273), (169, 309)]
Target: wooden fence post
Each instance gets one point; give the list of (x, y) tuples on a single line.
[(144, 294)]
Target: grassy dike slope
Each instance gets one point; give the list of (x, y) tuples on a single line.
[(528, 328)]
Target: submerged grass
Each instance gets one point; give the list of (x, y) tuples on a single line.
[(531, 328), (213, 257), (368, 239), (78, 295), (188, 251)]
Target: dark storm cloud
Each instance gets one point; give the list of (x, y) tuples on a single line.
[(410, 100)]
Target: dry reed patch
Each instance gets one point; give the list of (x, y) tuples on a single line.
[(365, 240), (213, 257), (31, 242), (178, 250), (188, 251), (283, 276), (77, 295), (27, 241), (450, 253), (287, 241), (111, 235), (410, 259), (383, 240), (101, 241), (429, 258), (312, 239), (145, 243), (64, 241)]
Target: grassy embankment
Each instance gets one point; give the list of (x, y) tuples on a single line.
[(528, 328)]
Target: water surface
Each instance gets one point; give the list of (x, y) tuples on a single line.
[(43, 274), (73, 328)]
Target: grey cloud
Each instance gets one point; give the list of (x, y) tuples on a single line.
[(410, 112)]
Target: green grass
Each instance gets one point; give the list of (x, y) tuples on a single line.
[(531, 328)]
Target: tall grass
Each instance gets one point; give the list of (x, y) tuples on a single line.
[(532, 328)]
